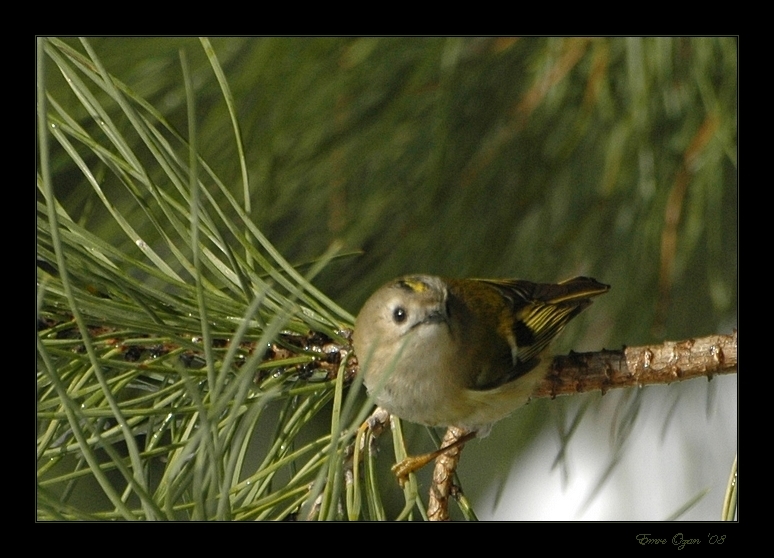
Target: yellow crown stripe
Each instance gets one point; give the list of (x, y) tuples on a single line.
[(414, 285)]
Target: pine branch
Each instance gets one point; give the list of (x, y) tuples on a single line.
[(672, 361), (443, 476)]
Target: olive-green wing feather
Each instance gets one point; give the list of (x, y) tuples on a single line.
[(542, 310)]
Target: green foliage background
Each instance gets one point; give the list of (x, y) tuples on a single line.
[(539, 158)]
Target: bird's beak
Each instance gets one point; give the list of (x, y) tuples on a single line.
[(436, 317)]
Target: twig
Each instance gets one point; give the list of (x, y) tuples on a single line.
[(671, 361), (443, 475)]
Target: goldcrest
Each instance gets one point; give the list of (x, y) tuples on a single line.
[(462, 352)]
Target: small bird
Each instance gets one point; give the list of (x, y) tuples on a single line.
[(462, 352)]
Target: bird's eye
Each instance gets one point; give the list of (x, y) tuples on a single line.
[(399, 315)]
